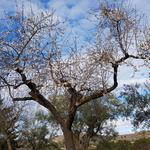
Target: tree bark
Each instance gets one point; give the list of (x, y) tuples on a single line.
[(81, 143), (9, 144), (73, 142), (69, 140), (85, 140)]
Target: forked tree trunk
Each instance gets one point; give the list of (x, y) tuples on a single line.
[(69, 141)]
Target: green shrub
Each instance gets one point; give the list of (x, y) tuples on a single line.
[(123, 145), (120, 145), (106, 146), (141, 144)]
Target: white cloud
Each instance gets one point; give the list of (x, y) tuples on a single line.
[(75, 13), (72, 9), (134, 81), (124, 126), (10, 6)]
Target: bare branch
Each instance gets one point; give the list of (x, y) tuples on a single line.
[(100, 93), (40, 98), (8, 85), (22, 98)]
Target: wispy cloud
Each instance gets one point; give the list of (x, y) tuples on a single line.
[(77, 15), (124, 126), (11, 6)]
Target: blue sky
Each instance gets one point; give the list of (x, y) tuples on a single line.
[(77, 14)]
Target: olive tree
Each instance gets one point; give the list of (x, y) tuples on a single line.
[(136, 104), (38, 131), (94, 121), (36, 63), (9, 131)]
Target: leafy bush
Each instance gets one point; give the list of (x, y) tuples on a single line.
[(106, 146), (123, 145), (141, 144), (120, 145)]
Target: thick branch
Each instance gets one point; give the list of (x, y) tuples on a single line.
[(73, 99), (22, 98), (100, 93), (129, 56), (75, 96), (71, 115), (8, 85), (138, 57), (47, 104), (35, 94)]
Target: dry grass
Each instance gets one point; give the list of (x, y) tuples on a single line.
[(134, 136)]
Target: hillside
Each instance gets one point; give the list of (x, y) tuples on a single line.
[(134, 136)]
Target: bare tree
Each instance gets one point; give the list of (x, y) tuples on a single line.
[(36, 65)]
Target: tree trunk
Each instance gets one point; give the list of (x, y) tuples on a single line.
[(85, 140), (77, 141), (82, 143), (9, 144), (69, 141)]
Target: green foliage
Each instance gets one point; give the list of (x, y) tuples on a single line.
[(135, 104), (106, 146), (61, 104), (142, 144), (123, 145), (120, 145), (37, 132), (9, 129), (93, 116)]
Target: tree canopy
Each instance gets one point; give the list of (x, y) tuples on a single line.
[(36, 63)]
